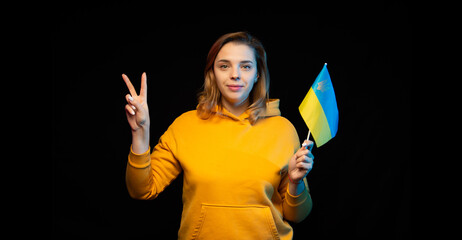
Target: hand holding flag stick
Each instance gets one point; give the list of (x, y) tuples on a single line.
[(319, 109), (320, 113)]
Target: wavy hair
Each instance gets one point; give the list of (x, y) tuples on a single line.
[(210, 97)]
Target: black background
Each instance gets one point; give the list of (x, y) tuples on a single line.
[(361, 180)]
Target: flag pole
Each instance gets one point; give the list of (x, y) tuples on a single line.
[(309, 132), (308, 138)]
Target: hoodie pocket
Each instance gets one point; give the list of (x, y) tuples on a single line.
[(235, 222)]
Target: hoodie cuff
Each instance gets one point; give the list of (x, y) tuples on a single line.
[(295, 201), (139, 160)]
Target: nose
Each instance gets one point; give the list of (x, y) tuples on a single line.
[(236, 74)]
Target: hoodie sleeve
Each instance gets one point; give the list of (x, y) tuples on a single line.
[(147, 174), (295, 208)]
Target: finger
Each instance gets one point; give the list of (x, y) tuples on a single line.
[(310, 155), (132, 102), (129, 110), (301, 152), (129, 98), (305, 160), (302, 159), (136, 105), (144, 86), (129, 85), (303, 166), (307, 144)]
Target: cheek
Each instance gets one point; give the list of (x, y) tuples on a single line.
[(250, 79), (219, 80), (219, 77), (249, 88)]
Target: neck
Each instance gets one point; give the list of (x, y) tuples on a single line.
[(237, 109)]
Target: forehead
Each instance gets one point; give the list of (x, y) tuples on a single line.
[(236, 52)]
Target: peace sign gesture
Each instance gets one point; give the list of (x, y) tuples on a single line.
[(137, 110)]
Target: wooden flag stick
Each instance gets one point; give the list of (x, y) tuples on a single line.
[(308, 138)]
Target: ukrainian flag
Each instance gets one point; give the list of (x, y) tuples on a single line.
[(319, 109)]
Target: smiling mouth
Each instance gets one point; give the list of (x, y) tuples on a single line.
[(235, 88)]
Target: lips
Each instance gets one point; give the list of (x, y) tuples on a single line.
[(235, 88)]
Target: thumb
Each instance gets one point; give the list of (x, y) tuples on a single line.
[(308, 144)]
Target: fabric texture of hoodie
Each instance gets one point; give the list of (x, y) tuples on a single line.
[(235, 183)]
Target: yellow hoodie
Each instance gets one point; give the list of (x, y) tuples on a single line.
[(235, 183)]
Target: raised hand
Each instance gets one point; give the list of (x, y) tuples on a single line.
[(301, 163), (137, 112)]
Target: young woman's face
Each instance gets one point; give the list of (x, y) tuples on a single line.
[(235, 70)]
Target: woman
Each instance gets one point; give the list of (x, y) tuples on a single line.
[(244, 172)]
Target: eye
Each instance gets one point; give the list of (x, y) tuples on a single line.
[(246, 67), (223, 66)]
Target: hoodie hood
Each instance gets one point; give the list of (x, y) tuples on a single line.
[(272, 109)]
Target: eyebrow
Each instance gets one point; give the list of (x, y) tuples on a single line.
[(227, 61)]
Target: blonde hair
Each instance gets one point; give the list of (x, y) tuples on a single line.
[(210, 97)]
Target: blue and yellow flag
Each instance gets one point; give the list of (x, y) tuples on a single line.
[(319, 109)]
